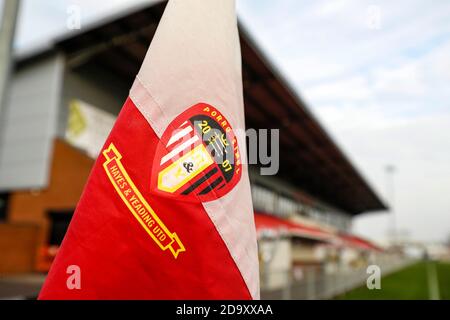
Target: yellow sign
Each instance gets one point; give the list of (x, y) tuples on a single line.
[(77, 122)]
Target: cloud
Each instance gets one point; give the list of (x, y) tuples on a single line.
[(351, 89), (422, 179), (382, 92), (42, 21)]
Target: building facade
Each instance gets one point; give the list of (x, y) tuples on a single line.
[(64, 99)]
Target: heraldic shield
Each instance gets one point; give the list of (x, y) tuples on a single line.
[(198, 157)]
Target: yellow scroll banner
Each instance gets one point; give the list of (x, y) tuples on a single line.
[(138, 206)]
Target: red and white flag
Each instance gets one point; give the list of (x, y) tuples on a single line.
[(167, 211)]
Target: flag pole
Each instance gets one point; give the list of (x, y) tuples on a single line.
[(7, 31)]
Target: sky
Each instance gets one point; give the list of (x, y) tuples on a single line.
[(375, 73)]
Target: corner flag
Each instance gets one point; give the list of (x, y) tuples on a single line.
[(167, 211)]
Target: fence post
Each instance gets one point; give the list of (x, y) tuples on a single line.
[(311, 284), (287, 288)]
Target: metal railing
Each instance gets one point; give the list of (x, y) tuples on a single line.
[(322, 282)]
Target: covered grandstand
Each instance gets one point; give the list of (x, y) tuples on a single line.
[(308, 205)]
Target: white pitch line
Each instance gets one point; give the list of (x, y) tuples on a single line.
[(433, 283)]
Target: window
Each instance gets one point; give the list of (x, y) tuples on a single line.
[(59, 223), (4, 197), (263, 199)]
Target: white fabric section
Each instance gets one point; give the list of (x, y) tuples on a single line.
[(195, 57)]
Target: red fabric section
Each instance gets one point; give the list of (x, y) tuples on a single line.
[(274, 224), (350, 240), (117, 257)]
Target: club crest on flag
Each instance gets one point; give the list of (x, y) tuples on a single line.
[(198, 157)]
